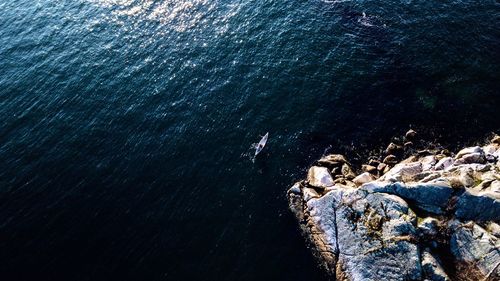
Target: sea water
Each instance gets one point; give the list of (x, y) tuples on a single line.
[(127, 126)]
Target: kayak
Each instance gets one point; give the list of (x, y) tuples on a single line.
[(261, 144)]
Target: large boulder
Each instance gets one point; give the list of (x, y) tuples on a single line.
[(319, 177), (364, 236)]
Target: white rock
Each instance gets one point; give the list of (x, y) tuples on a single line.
[(470, 158), (428, 162), (322, 213), (363, 178), (469, 150), (403, 171), (489, 176), (319, 177), (444, 163)]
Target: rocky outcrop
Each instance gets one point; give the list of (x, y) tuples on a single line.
[(431, 216)]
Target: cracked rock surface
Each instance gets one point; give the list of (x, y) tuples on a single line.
[(430, 216)]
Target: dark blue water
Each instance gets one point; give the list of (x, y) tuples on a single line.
[(126, 125)]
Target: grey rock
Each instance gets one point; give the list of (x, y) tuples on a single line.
[(432, 197), (322, 227), (366, 229), (480, 204), (481, 168), (489, 176), (476, 251), (475, 157), (466, 176), (380, 245), (492, 152), (427, 177)]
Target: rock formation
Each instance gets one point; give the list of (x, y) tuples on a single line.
[(431, 216)]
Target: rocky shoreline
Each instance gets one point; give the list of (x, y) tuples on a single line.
[(409, 215)]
